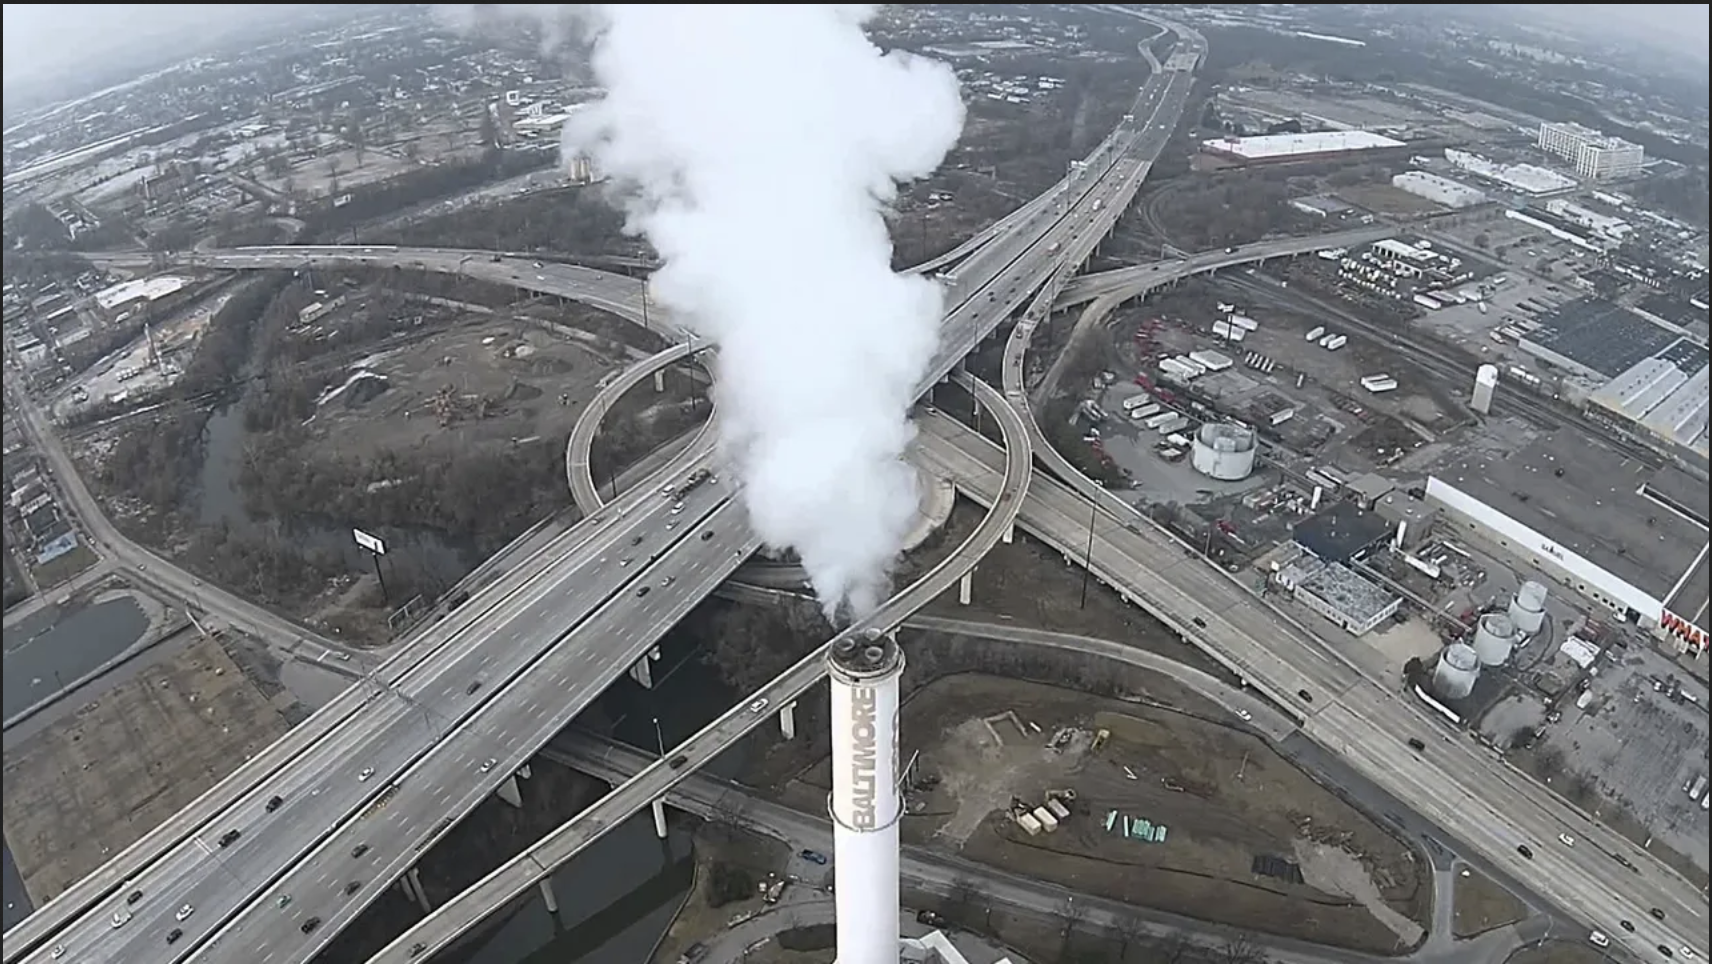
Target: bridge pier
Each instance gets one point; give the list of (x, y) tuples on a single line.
[(966, 588), (788, 720), (548, 897), (510, 792), (412, 883), (659, 809), (523, 772), (660, 380), (642, 673), (1009, 536)]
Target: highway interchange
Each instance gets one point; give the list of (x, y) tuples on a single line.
[(421, 725)]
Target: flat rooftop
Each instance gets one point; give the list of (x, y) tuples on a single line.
[(1600, 336), (1290, 145), (1597, 507), (92, 782)]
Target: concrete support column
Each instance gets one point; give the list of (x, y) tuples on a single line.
[(643, 674), (510, 792), (966, 588), (413, 878), (1010, 534), (659, 808), (788, 720), (524, 772), (660, 380), (548, 897)]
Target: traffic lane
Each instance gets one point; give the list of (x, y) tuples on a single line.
[(536, 707)]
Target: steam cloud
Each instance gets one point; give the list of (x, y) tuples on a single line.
[(765, 143)]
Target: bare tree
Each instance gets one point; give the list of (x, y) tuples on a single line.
[(965, 897), (1072, 914), (1241, 950), (1130, 930), (1175, 949)]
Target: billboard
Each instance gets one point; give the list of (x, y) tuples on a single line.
[(373, 544)]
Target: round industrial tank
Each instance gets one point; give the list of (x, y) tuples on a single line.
[(1494, 638), (1459, 667), (1486, 375), (1224, 452), (1528, 608)]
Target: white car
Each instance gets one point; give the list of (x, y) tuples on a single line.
[(758, 705), (1244, 715), (363, 776), (120, 917), (489, 764), (184, 912), (1598, 939), (58, 951), (1566, 839)]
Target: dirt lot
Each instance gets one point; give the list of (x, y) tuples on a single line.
[(1482, 905), (483, 382), (94, 782), (698, 919), (1223, 796)]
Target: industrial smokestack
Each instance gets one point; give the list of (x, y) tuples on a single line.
[(865, 672)]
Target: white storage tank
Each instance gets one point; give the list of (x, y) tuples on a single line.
[(1494, 638), (1485, 385), (1456, 673), (1528, 608), (1224, 451)]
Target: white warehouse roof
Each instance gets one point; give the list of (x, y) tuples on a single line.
[(1288, 145)]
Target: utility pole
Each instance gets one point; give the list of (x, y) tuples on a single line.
[(645, 322), (1088, 555)]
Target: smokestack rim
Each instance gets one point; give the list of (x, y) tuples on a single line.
[(858, 658)]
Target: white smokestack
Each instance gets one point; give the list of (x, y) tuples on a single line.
[(864, 804), (765, 143)]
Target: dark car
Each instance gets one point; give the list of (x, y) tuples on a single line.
[(230, 837), (353, 887), (417, 949), (1415, 743), (929, 918), (813, 857), (707, 535), (678, 761), (1665, 951), (1626, 925), (359, 850), (274, 802), (134, 896), (1305, 695), (173, 935), (1199, 621), (642, 591), (1657, 913), (474, 685), (310, 925), (1525, 851)]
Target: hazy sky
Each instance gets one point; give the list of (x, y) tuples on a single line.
[(54, 39)]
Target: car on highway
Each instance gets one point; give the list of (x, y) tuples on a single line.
[(185, 912), (353, 887), (489, 764), (641, 591), (1598, 939), (274, 802), (1525, 851), (282, 901), (1306, 696), (707, 535), (668, 580), (1417, 744), (230, 837), (470, 690), (1244, 715), (1626, 925), (1566, 839), (359, 850), (363, 776), (57, 952), (173, 935), (1657, 913), (813, 857), (309, 925), (677, 507), (758, 705), (134, 896)]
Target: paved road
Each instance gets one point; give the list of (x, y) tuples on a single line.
[(538, 862), (719, 799), (1455, 782)]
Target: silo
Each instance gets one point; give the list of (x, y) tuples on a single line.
[(1458, 668), (1528, 608), (1224, 451), (1494, 638), (1485, 384)]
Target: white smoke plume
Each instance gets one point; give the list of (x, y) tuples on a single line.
[(764, 143)]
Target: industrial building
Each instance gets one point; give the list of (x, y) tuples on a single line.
[(1526, 179), (1224, 451), (1398, 269), (1558, 228), (1439, 190), (1605, 227), (1338, 593), (1630, 539), (1340, 532), (1664, 395), (1281, 148), (1597, 338), (1594, 155)]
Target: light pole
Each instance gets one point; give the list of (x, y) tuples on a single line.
[(1088, 555), (659, 738), (645, 323)]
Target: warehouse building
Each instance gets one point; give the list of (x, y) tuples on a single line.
[(1439, 190), (1338, 593), (1288, 148), (1664, 396), (1594, 155), (1630, 539)]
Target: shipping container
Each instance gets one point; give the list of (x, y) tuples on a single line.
[(1335, 342), (1316, 333), (1146, 412)]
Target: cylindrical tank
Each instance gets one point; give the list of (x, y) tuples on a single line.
[(1528, 608), (1458, 668), (1494, 638), (1224, 451)]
